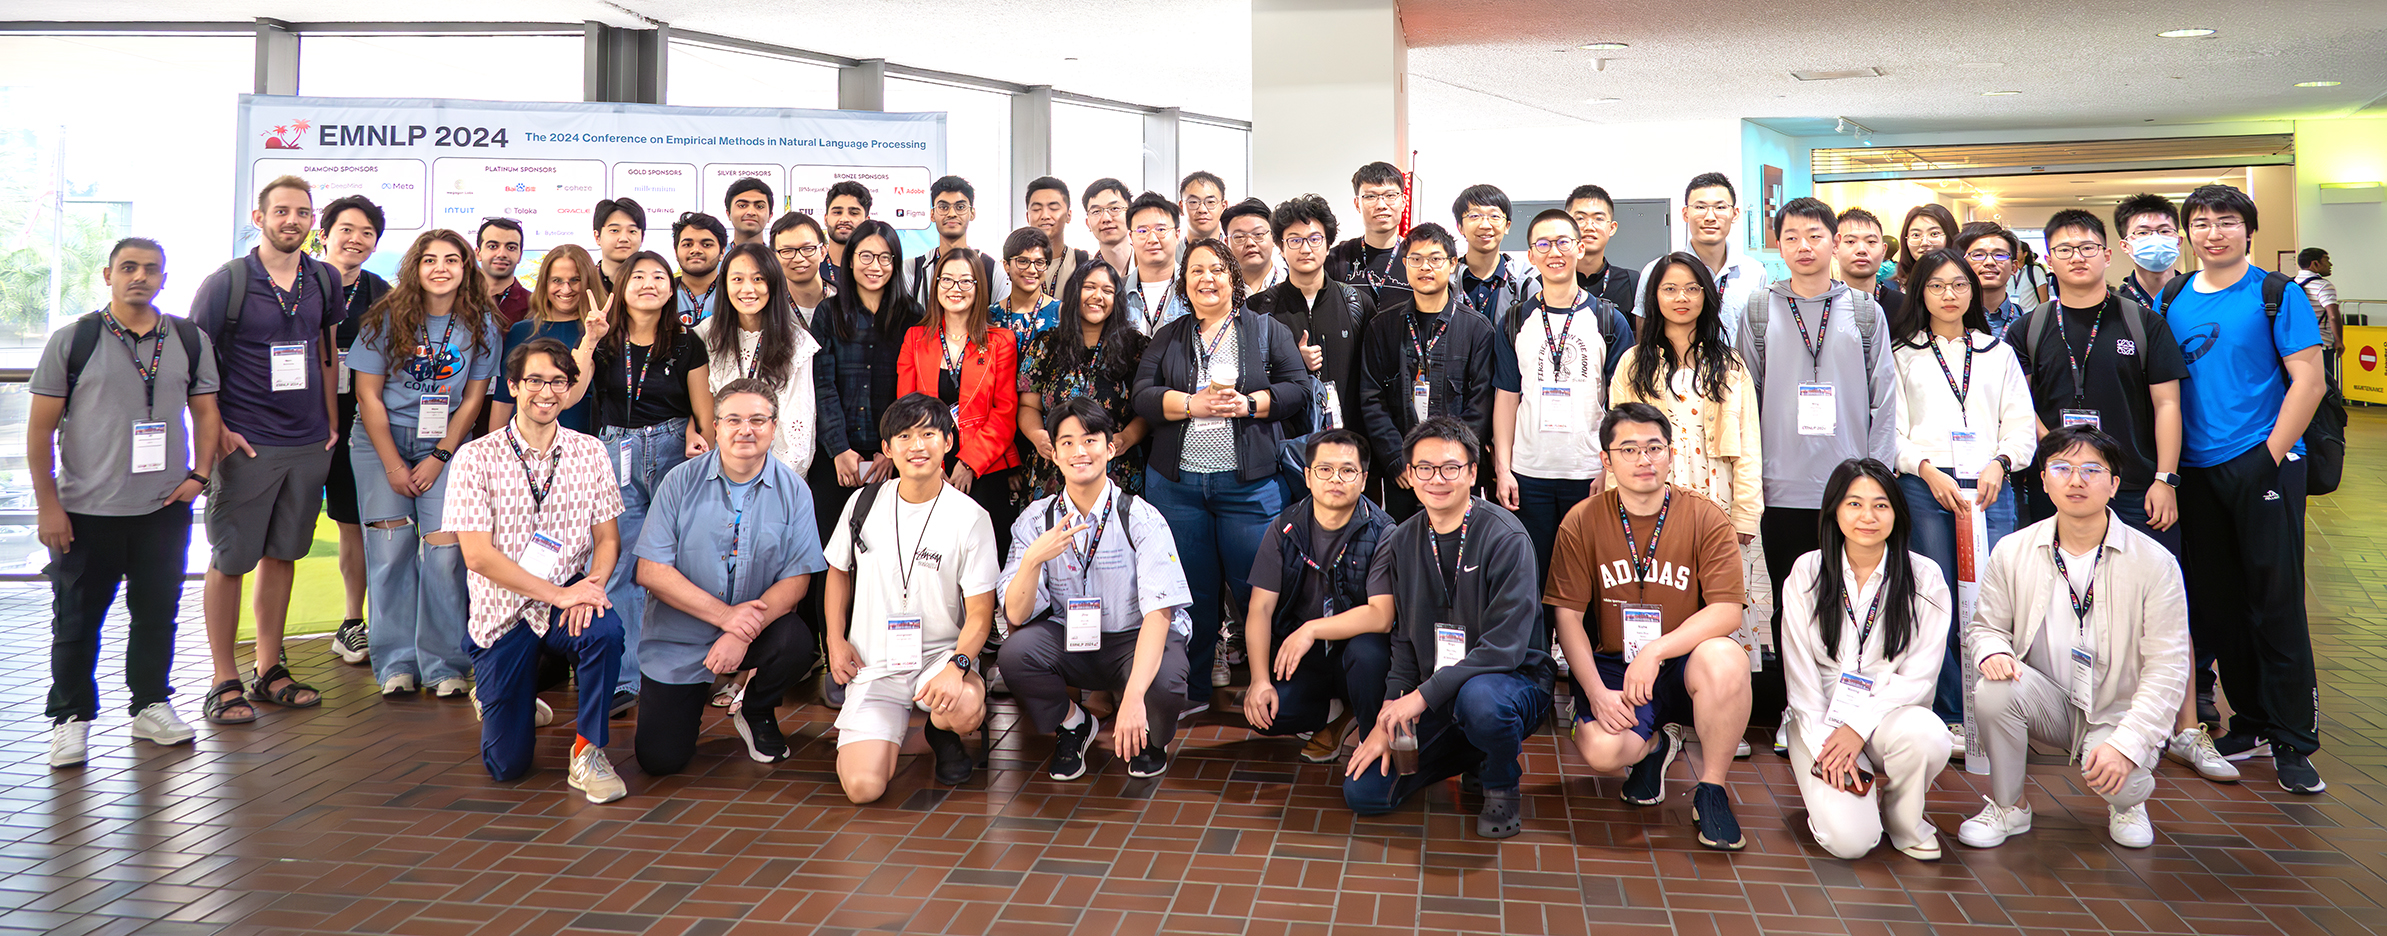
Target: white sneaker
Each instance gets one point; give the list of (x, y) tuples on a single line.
[(156, 723), (1956, 739), (1925, 850), (398, 685), (68, 741), (2130, 827), (2194, 747), (1994, 824), (541, 716), (1742, 750), (1782, 736), (592, 774), (450, 687), (1222, 673)]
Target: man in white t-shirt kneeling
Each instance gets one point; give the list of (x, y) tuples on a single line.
[(913, 560)]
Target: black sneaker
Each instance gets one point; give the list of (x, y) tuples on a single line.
[(1069, 750), (1152, 762), (2239, 745), (349, 642), (1711, 808), (1646, 785), (953, 756), (2295, 771), (1470, 783), (623, 701), (1501, 816), (760, 728)]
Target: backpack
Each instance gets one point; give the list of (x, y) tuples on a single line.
[(236, 295), (86, 342), (1868, 310), (2038, 321), (2325, 435), (868, 495), (1600, 305)]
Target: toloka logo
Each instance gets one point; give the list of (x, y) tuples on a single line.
[(286, 136)]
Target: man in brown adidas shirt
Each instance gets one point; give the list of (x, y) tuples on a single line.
[(1660, 568)]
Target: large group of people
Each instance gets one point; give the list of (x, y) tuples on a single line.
[(1430, 495)]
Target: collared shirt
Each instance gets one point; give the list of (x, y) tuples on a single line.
[(2134, 292), (2005, 314), (1812, 672), (513, 303), (1481, 290), (490, 491), (249, 404), (95, 437), (1613, 283), (1146, 321), (1135, 569), (694, 307), (1743, 282), (1996, 407), (695, 525), (2323, 295)]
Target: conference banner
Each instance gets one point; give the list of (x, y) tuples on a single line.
[(449, 163)]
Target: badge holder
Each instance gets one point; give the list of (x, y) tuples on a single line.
[(1085, 624), (903, 643), (1816, 414), (1643, 625)]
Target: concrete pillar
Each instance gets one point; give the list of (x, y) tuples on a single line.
[(863, 86), (625, 66), (277, 57), (1160, 151), (1329, 93), (1031, 137)]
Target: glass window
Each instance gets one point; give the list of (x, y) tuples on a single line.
[(478, 68), (709, 76), (1225, 151), (977, 148), (1092, 143)]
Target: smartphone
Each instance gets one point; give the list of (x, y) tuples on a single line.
[(1863, 785)]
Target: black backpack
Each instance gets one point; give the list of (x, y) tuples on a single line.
[(2039, 321), (868, 496), (2325, 435), (86, 342), (236, 295)]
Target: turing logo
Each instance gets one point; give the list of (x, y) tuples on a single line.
[(286, 136)]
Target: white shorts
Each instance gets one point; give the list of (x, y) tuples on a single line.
[(880, 708)]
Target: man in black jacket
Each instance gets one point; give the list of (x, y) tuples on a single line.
[(1372, 261), (1327, 643), (1420, 359), (1325, 315), (1471, 671)]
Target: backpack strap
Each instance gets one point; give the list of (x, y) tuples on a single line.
[(2171, 290), (236, 295), (1868, 319), (334, 297), (1756, 326), (78, 355), (188, 331), (2034, 323), (864, 498)]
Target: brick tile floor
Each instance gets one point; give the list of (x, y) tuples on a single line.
[(365, 816)]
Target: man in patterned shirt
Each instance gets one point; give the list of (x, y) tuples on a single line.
[(534, 508)]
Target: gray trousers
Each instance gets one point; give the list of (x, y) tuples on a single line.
[(1040, 673), (2031, 707)]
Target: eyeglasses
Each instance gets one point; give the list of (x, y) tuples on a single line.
[(1335, 473), (1112, 211), (1449, 471), (1552, 244), (1426, 261), (1692, 291), (1382, 198), (1710, 209), (1948, 287), (2154, 232), (863, 258), (956, 283), (1983, 256), (1482, 217), (950, 208), (1027, 263), (2068, 251), (1210, 202), (807, 251), (733, 423), (2091, 473), (536, 384), (1640, 455), (1152, 231), (1311, 242), (1247, 237), (2227, 225)]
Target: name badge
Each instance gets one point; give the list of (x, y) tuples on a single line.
[(1085, 624), (1330, 406), (345, 383), (1851, 693), (1816, 415), (431, 417), (149, 446), (289, 365), (1558, 408), (1419, 393), (2084, 672), (903, 643), (542, 556), (2082, 417), (1643, 625), (626, 453), (1450, 645), (1970, 453)]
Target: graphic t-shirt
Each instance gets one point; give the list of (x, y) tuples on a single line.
[(937, 553), (1697, 563), (2236, 383), (438, 359)]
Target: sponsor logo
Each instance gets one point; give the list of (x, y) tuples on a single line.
[(2125, 347), (520, 187)]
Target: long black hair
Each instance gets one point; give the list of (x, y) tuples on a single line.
[(775, 355), (668, 331), (1121, 347), (898, 310), (1898, 575), (1913, 321), (1712, 357)]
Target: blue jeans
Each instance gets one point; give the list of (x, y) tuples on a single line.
[(655, 451), (1541, 504), (1934, 535), (414, 590), (1352, 670), (509, 685), (1485, 728), (1218, 519)]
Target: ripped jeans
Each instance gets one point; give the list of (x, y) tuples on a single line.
[(414, 590)]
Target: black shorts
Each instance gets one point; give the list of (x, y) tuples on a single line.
[(339, 487)]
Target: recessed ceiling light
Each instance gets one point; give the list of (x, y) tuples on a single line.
[(1602, 46), (2198, 32), (1833, 74), (2318, 84), (1998, 93), (1602, 100)]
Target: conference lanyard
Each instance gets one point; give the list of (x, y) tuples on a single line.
[(1434, 542), (1823, 326), (1203, 353), (638, 380), (2080, 383), (1960, 391), (423, 351), (1645, 565), (1865, 631), (2081, 601), (1085, 559), (298, 287), (132, 345), (905, 561), (737, 531), (1425, 347), (530, 478), (1557, 342)]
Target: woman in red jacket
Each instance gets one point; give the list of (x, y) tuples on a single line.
[(956, 355)]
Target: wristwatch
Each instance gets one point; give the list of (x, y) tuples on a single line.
[(2005, 464), (964, 662), (2171, 478), (195, 476), (442, 454), (1251, 404)]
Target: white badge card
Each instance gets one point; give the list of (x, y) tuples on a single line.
[(626, 453), (1330, 406), (1419, 393), (289, 364), (2084, 668), (1816, 415), (1970, 451), (1085, 624), (1851, 694), (1450, 645), (149, 446), (1558, 408), (431, 417), (2082, 417), (542, 556), (1643, 625), (903, 643), (346, 383)]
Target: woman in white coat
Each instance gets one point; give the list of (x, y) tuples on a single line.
[(1861, 651)]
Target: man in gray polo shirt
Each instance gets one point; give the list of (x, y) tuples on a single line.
[(1099, 603), (120, 505)]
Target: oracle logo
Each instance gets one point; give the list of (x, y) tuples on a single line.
[(2370, 358)]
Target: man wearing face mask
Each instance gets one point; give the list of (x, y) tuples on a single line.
[(2150, 228)]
